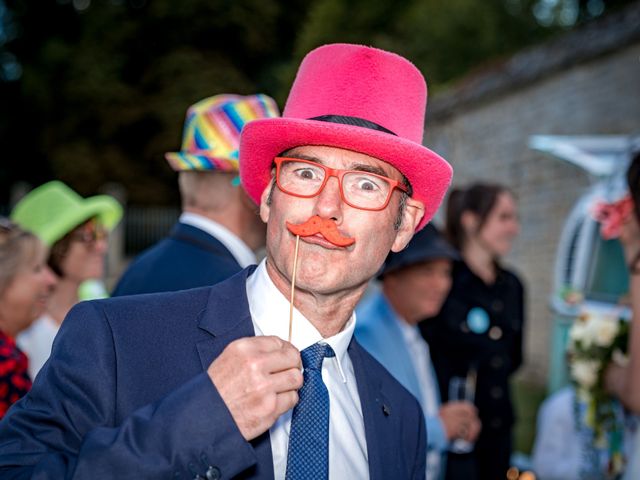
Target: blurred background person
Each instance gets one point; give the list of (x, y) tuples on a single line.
[(415, 284), (76, 230), (624, 381), (25, 285), (219, 228), (479, 331), (557, 450), (565, 448)]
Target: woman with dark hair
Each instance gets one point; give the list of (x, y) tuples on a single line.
[(25, 285), (479, 332), (624, 381)]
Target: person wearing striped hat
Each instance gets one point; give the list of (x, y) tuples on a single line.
[(219, 228)]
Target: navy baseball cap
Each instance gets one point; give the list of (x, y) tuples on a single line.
[(427, 244)]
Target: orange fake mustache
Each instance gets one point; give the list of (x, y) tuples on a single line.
[(325, 227)]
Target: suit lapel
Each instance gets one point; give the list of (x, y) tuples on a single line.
[(375, 410), (227, 318)]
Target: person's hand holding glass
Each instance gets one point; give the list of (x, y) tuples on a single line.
[(462, 394)]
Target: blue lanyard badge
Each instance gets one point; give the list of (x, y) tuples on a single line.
[(478, 320)]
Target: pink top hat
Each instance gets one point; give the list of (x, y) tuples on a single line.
[(357, 98)]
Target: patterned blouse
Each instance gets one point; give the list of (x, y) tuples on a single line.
[(14, 379)]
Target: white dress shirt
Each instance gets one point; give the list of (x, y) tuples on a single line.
[(557, 452), (240, 250), (347, 442), (36, 341)]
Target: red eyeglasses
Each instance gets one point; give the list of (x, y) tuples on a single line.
[(359, 189)]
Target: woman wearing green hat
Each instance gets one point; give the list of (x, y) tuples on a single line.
[(75, 229), (25, 284)]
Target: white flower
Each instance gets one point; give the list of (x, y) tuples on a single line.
[(585, 372), (605, 330), (594, 328), (579, 332)]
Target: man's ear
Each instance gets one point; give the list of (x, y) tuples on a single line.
[(411, 217), (265, 209)]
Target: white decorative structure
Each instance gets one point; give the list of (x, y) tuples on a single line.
[(585, 262)]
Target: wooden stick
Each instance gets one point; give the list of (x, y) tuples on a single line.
[(293, 285)]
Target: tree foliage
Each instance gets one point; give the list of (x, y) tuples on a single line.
[(444, 40), (105, 84), (105, 90)]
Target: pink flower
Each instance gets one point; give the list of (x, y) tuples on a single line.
[(612, 216)]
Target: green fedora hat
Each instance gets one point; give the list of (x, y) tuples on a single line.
[(52, 210)]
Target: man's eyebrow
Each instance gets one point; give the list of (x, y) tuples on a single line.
[(363, 167), (302, 156)]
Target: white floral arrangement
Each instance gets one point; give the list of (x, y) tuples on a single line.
[(595, 340), (592, 337)]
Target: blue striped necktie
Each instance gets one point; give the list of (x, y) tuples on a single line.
[(308, 456)]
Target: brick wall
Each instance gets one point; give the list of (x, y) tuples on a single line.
[(488, 141)]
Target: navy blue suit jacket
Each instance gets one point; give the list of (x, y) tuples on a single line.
[(125, 394), (188, 258)]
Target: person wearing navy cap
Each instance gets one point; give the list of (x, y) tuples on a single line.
[(415, 284)]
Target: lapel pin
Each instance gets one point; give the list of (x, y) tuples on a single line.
[(386, 410)]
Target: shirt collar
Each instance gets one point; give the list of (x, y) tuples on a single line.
[(272, 318), (239, 250)]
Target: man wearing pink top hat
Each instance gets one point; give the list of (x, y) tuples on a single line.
[(219, 228), (207, 383)]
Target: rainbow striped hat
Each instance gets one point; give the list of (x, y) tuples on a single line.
[(211, 136)]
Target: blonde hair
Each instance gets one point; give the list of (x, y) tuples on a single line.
[(17, 246)]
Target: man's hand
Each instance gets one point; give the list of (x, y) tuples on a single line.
[(460, 420), (258, 378)]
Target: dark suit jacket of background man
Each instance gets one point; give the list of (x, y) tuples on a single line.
[(139, 403), (189, 257)]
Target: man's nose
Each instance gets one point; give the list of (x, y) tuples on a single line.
[(329, 200)]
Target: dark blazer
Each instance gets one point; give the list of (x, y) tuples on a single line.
[(125, 394), (495, 351), (187, 258), (493, 347)]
